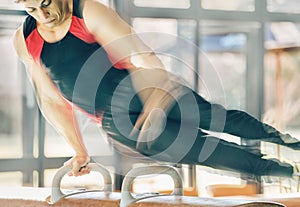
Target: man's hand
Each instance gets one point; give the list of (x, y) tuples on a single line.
[(152, 127), (79, 164), (152, 121)]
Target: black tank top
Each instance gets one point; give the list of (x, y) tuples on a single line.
[(81, 79)]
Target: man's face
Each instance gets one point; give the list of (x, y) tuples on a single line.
[(49, 13)]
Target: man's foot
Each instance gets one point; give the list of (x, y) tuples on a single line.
[(290, 142), (295, 179), (296, 171)]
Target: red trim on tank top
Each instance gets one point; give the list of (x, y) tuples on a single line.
[(34, 43), (79, 30)]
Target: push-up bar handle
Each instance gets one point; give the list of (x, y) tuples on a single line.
[(57, 194), (126, 196)]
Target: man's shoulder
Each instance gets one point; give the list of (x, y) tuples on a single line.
[(28, 26)]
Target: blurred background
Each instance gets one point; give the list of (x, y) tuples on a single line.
[(244, 54)]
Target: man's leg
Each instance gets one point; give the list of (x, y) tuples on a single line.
[(182, 142), (178, 145), (220, 154), (214, 117)]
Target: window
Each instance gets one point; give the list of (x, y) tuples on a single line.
[(281, 91), (8, 4), (223, 68), (229, 36), (11, 179), (230, 5), (285, 6), (174, 42), (179, 4), (10, 101)]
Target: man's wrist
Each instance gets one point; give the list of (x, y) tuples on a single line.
[(82, 154)]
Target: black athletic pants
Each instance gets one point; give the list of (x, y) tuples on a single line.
[(182, 140)]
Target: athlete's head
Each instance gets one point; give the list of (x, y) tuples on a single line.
[(49, 13)]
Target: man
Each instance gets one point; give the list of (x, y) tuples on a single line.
[(79, 53)]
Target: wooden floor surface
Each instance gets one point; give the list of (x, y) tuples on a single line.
[(36, 197)]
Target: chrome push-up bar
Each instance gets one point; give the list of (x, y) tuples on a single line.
[(127, 198), (57, 194)]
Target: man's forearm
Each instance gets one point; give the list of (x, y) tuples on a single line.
[(61, 116)]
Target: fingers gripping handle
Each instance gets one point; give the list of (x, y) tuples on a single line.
[(126, 196), (57, 194)]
